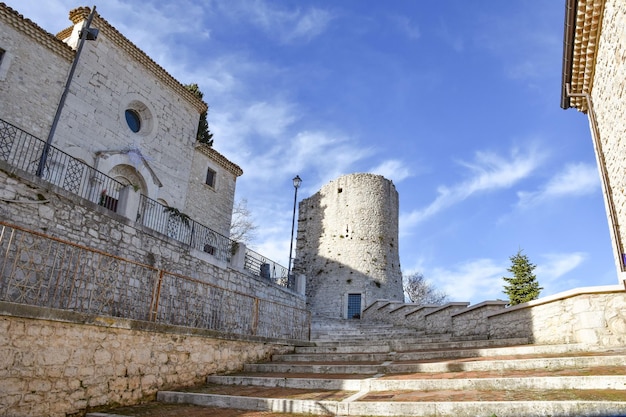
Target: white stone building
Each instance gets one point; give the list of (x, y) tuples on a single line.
[(123, 114), (348, 245), (594, 82)]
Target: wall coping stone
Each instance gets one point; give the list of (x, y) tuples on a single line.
[(421, 308), (561, 296), (384, 305), (375, 303), (403, 306), (480, 305), (67, 316), (446, 306)]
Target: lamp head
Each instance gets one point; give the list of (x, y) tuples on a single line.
[(297, 181)]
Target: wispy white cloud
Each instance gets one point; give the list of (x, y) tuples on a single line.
[(488, 172), (553, 267), (392, 169), (575, 180), (286, 25), (475, 280)]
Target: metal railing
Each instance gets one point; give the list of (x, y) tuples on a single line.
[(23, 150), (39, 270), (268, 269), (177, 225)]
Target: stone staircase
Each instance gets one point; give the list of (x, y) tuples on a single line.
[(361, 369)]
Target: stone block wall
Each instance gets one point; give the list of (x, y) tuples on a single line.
[(439, 321), (473, 320), (609, 100), (57, 364), (33, 61), (594, 316), (212, 205), (417, 317)]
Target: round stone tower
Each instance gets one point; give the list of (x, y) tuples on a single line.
[(347, 245)]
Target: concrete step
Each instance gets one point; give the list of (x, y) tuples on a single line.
[(402, 343), (442, 366), (431, 354), (409, 346), (364, 404), (531, 382)]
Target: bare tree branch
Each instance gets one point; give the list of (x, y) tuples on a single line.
[(421, 291)]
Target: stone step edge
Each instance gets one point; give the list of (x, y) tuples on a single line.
[(402, 346), (441, 409), (445, 366), (442, 353), (613, 382)]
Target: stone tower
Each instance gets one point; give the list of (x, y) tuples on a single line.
[(348, 245)]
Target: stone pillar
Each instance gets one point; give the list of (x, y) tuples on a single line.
[(239, 255), (128, 204)]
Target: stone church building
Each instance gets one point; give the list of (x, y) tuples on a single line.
[(123, 115)]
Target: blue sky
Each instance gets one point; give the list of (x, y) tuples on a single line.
[(456, 101)]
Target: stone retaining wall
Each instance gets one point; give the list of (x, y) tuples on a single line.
[(595, 316), (27, 201), (56, 363)]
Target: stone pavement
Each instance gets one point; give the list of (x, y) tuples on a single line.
[(364, 370)]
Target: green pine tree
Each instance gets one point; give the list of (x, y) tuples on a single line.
[(204, 135), (523, 286)]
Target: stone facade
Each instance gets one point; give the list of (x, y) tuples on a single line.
[(347, 245), (594, 71), (112, 77), (57, 365)]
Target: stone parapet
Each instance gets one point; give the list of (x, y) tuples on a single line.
[(595, 316), (439, 321), (473, 320), (416, 318), (57, 363)]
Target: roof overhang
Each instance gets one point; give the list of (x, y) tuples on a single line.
[(583, 25)]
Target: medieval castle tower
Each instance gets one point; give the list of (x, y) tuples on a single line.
[(348, 245)]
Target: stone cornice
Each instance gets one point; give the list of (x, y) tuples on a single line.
[(584, 36), (79, 14), (34, 31), (219, 159)]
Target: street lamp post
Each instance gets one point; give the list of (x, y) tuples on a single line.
[(87, 33), (296, 184)]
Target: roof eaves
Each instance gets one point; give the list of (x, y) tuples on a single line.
[(34, 31), (568, 50)]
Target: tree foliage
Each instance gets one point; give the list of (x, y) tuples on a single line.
[(242, 227), (523, 285), (204, 135), (421, 291)]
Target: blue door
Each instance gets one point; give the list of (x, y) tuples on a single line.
[(354, 306)]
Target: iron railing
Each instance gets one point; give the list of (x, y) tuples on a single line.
[(40, 270), (177, 225), (23, 150), (268, 269)]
